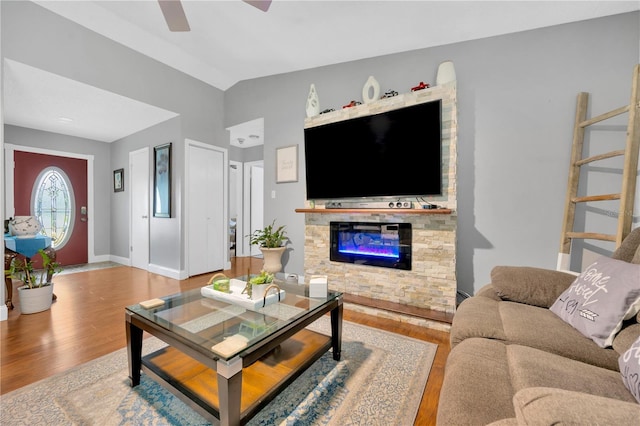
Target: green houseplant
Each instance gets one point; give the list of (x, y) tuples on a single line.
[(36, 293), (271, 241), (269, 236)]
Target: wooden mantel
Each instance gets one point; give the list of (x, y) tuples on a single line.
[(376, 211)]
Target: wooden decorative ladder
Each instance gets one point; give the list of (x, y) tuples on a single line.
[(629, 172)]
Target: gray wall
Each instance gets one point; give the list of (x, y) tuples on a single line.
[(164, 232), (516, 104), (37, 37), (101, 167), (516, 100)]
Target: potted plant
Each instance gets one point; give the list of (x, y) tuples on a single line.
[(36, 292), (271, 241)]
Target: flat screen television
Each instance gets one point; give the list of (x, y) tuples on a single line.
[(396, 153)]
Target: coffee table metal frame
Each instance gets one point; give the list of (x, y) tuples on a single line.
[(229, 371)]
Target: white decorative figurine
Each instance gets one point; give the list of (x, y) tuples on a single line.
[(371, 84), (446, 73), (313, 103)]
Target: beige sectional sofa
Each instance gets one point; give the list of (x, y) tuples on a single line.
[(514, 361)]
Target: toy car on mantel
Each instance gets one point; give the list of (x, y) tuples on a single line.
[(389, 94), (420, 86), (352, 104)]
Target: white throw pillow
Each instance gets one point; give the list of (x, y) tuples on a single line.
[(600, 299)]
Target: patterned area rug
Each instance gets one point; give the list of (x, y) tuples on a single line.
[(379, 381)]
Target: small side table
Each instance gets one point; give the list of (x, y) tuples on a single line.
[(27, 247)]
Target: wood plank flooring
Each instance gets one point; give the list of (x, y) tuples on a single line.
[(87, 321)]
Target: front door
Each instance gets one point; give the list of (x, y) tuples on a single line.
[(55, 188)]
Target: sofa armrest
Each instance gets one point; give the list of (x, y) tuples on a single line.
[(487, 291), (533, 286), (550, 406)]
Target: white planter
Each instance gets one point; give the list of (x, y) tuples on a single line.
[(272, 256), (35, 299)]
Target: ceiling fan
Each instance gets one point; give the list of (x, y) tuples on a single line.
[(177, 20)]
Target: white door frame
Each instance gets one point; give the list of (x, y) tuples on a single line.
[(246, 216), (239, 200), (144, 150), (225, 201), (9, 195)]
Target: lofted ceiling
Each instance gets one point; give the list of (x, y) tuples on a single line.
[(231, 41)]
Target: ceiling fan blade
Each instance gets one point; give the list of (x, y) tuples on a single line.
[(263, 5), (174, 15)]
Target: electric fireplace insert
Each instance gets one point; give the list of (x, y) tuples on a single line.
[(368, 243)]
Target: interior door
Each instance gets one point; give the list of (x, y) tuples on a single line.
[(72, 248), (139, 172), (207, 246)]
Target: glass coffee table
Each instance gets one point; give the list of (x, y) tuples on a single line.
[(227, 361)]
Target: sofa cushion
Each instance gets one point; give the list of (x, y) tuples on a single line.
[(476, 388), (526, 325), (531, 367), (600, 299), (549, 406), (481, 377), (630, 369), (533, 286)]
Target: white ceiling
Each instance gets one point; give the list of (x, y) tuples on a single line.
[(231, 41), (41, 100)]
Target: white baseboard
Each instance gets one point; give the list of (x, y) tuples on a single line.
[(4, 313), (121, 260), (166, 272), (101, 258)]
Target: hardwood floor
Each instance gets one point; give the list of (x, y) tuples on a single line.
[(87, 321)]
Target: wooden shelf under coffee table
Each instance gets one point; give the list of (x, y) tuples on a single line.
[(230, 389)]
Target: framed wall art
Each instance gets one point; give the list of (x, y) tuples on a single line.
[(118, 180), (287, 164), (162, 181)]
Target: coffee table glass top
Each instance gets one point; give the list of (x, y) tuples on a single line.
[(224, 329)]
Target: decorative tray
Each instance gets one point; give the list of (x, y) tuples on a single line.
[(237, 297)]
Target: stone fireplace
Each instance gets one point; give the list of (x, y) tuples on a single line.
[(430, 281)]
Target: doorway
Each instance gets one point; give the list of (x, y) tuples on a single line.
[(248, 138)]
